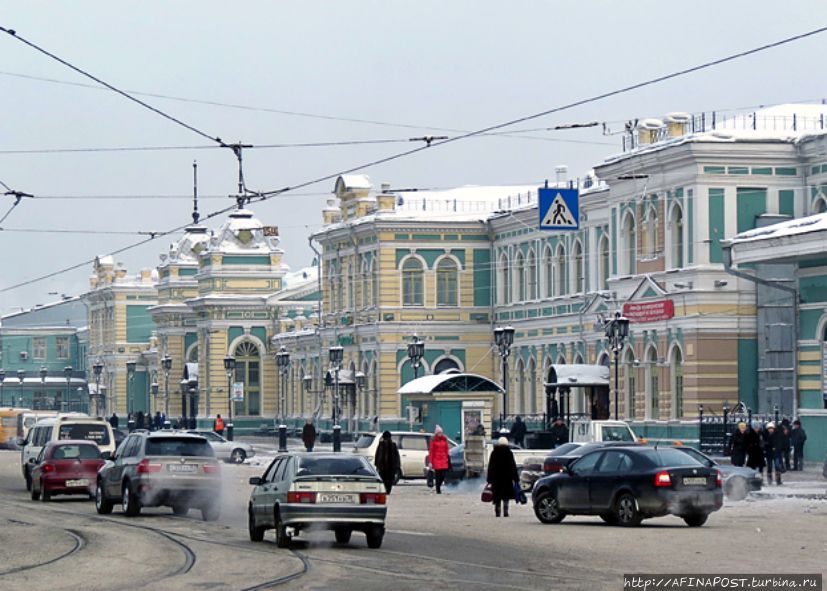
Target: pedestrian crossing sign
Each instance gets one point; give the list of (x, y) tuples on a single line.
[(559, 209)]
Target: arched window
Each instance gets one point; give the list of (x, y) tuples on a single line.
[(603, 262), (652, 384), (820, 205), (519, 270), (446, 282), (677, 384), (446, 364), (366, 281), (503, 280), (248, 372), (332, 281), (413, 291), (531, 272), (578, 278), (631, 383), (548, 273), (517, 405), (627, 257), (675, 232), (560, 275), (649, 240), (351, 288)]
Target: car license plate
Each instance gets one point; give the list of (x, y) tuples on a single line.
[(78, 482), (336, 498), (182, 467), (694, 481)]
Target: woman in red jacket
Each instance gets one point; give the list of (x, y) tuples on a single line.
[(438, 455)]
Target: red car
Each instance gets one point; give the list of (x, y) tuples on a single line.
[(66, 467)]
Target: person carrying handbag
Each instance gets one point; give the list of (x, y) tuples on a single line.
[(502, 476)]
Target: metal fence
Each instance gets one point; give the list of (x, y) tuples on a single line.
[(714, 431)]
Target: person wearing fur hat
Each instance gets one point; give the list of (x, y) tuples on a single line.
[(438, 456), (502, 476)]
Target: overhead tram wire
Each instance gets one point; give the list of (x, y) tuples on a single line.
[(18, 197), (264, 196)]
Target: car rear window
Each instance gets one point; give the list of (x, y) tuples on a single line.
[(76, 452), (178, 446), (670, 458), (364, 441), (343, 466), (90, 432), (564, 449)]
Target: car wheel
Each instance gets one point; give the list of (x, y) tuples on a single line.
[(736, 488), (609, 518), (547, 508), (35, 494), (28, 480), (102, 504), (238, 456), (256, 532), (696, 520), (626, 512), (210, 512), (343, 535), (282, 539), (129, 501), (181, 510), (374, 536)]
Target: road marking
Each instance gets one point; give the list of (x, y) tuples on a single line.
[(409, 533)]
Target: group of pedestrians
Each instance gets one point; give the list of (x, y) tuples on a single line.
[(768, 447), (139, 420)]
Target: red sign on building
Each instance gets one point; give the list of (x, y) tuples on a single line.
[(649, 311)]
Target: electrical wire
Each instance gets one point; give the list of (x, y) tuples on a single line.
[(264, 196)]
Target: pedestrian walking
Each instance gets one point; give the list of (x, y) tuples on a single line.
[(755, 448), (518, 431), (775, 444), (737, 448), (438, 455), (502, 476), (158, 423), (797, 438), (139, 419), (309, 435), (113, 420), (218, 425), (559, 432), (786, 445), (387, 460)]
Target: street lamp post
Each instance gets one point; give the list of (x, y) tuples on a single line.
[(617, 330), (503, 339), (97, 368), (130, 377), (283, 364), (21, 375), (166, 365), (185, 390), (67, 373), (229, 366), (361, 382), (2, 389), (337, 354), (416, 350), (43, 373), (153, 389)]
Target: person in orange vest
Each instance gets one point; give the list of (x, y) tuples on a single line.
[(218, 427)]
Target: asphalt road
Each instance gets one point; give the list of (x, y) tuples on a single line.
[(451, 541)]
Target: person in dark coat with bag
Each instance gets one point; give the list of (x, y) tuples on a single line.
[(755, 448), (738, 445), (797, 438), (387, 460), (502, 476)]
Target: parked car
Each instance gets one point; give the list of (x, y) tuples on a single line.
[(172, 469), (413, 447), (67, 467), (624, 485), (228, 451), (559, 458), (330, 491), (738, 481), (589, 431), (68, 426)]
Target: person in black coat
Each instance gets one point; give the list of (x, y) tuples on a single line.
[(518, 431), (113, 420), (559, 432), (797, 438), (502, 476), (738, 445), (387, 460), (755, 448), (774, 449)]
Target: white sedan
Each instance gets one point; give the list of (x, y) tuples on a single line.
[(229, 451)]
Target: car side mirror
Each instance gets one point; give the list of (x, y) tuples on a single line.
[(255, 480), (107, 455), (21, 441), (32, 460)]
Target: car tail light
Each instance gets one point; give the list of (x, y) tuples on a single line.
[(663, 479), (145, 467), (301, 497), (719, 481), (212, 468), (48, 467), (551, 467), (373, 498)]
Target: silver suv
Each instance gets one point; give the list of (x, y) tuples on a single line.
[(177, 470)]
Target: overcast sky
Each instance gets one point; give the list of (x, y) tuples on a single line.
[(427, 64)]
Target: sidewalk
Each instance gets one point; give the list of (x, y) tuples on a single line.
[(807, 484)]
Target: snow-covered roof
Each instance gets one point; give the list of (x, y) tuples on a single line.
[(450, 382), (577, 375), (189, 246), (294, 279), (813, 223), (353, 181), (243, 233)]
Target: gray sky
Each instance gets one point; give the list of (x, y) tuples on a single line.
[(431, 64)]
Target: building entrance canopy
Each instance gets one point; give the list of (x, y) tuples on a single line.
[(577, 375), (451, 382)]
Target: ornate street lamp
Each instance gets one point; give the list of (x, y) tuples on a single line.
[(617, 330), (229, 366), (43, 373), (416, 350), (166, 365), (503, 339), (153, 389), (67, 373), (336, 354), (130, 376), (21, 375), (97, 368), (283, 364)]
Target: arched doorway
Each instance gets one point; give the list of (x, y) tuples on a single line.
[(248, 372)]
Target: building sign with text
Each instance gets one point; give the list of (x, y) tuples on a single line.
[(649, 311)]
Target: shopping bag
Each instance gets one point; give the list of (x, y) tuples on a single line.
[(487, 494)]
